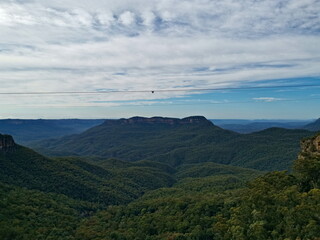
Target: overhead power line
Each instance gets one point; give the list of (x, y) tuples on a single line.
[(166, 104), (158, 90)]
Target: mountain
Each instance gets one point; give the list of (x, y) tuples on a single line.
[(180, 141), (314, 126), (25, 131), (255, 126), (74, 177)]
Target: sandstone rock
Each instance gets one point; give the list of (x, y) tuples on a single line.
[(6, 143), (310, 146), (161, 120)]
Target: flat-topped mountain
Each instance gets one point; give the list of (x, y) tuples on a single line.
[(6, 143), (160, 120)]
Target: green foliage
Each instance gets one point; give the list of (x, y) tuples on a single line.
[(191, 201), (272, 208), (28, 214), (185, 211), (188, 217), (308, 170), (210, 169), (78, 179)]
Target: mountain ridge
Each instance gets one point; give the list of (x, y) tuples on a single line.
[(160, 120), (195, 140), (28, 130), (314, 126)]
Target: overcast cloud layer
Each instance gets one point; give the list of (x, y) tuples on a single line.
[(77, 45)]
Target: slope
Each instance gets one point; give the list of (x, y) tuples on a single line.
[(73, 177), (314, 126)]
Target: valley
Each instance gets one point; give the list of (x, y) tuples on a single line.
[(161, 178)]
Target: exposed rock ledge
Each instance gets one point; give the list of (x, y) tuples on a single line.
[(161, 120), (6, 143), (311, 146)]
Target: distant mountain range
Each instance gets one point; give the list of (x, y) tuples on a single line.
[(250, 126), (314, 126), (25, 130), (180, 141)]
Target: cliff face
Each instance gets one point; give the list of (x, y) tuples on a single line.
[(161, 120), (308, 163), (311, 146), (6, 143)]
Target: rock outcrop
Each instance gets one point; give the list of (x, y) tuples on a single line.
[(311, 146), (307, 166), (6, 143)]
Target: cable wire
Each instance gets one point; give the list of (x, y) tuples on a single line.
[(158, 90)]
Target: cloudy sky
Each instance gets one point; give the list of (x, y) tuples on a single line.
[(121, 51)]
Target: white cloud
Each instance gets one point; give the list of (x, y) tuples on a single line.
[(105, 18), (148, 18), (268, 99), (127, 18), (76, 45)]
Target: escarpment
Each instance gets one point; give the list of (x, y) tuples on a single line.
[(6, 143)]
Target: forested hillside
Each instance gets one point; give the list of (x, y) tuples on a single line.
[(30, 214), (181, 141), (76, 178), (277, 205), (96, 199)]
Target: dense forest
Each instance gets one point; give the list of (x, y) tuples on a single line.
[(276, 205), (94, 198)]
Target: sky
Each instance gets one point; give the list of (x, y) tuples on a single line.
[(249, 59)]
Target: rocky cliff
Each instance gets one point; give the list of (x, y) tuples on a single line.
[(307, 166), (311, 146), (6, 143), (161, 120)]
